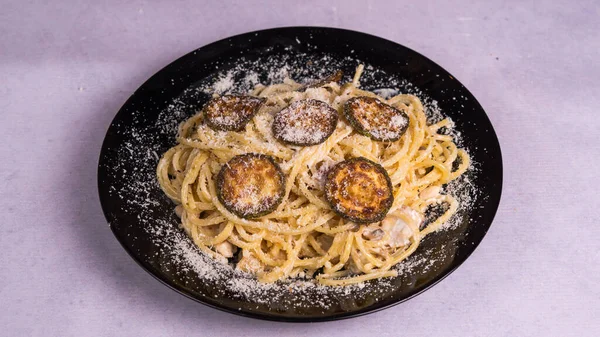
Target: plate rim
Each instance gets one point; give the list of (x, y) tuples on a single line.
[(279, 318)]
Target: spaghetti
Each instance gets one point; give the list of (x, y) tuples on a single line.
[(303, 236)]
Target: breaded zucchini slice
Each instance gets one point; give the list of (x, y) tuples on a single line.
[(306, 122), (375, 119), (359, 190), (250, 185), (231, 112)]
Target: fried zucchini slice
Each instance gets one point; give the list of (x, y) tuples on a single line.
[(359, 190), (375, 119), (306, 122), (250, 185), (336, 76), (231, 112)]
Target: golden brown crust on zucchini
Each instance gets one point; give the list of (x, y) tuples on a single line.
[(231, 112), (250, 185), (375, 119), (359, 190), (305, 122)]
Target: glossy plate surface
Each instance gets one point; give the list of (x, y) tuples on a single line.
[(142, 218)]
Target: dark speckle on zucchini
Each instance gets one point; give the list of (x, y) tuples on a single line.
[(359, 190), (306, 122), (375, 119), (250, 185), (231, 112)]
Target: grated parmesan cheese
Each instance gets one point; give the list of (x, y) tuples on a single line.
[(140, 190)]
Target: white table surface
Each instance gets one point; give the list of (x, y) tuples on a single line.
[(67, 67)]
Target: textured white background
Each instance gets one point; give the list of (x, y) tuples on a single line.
[(67, 67)]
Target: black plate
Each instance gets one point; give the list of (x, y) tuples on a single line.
[(142, 219)]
